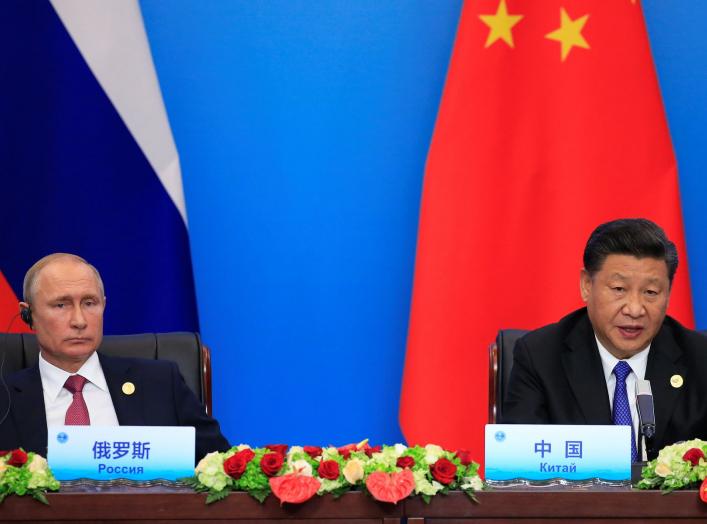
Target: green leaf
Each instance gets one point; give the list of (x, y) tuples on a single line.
[(40, 496), (338, 492), (427, 498), (472, 496), (259, 494), (215, 496)]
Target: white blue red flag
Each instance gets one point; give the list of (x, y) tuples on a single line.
[(88, 164)]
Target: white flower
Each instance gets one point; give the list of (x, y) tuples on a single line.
[(424, 486), (302, 467), (433, 453), (328, 485), (210, 472), (241, 447), (400, 449), (329, 453), (295, 449), (475, 483), (207, 461)]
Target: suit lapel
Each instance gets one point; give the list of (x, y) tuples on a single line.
[(585, 373), (128, 408), (663, 363), (28, 410)]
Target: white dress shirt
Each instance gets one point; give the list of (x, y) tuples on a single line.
[(638, 364), (57, 399)]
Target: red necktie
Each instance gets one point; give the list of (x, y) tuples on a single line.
[(77, 414)]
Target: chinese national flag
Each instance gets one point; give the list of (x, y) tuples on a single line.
[(551, 123), (9, 309)]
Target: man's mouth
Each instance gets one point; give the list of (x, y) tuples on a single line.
[(630, 331)]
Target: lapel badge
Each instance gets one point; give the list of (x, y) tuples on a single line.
[(676, 381), (129, 387)]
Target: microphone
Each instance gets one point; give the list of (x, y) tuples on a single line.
[(646, 413)]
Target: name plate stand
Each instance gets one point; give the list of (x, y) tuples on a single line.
[(542, 454), (127, 452)]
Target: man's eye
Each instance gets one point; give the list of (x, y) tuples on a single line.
[(60, 305), (618, 289), (651, 292)]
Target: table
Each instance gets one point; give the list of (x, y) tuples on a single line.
[(174, 505), (535, 505), (526, 505)]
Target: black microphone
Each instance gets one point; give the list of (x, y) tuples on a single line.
[(646, 413)]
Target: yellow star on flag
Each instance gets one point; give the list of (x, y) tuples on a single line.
[(501, 25), (570, 33)]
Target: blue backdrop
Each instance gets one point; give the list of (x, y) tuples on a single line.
[(303, 128)]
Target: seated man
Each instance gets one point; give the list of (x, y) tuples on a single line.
[(64, 302), (583, 369)]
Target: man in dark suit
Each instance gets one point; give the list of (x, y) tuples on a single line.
[(567, 373), (64, 302)]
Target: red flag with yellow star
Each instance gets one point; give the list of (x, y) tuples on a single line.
[(551, 123)]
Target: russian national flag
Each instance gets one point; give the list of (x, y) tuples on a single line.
[(87, 161)]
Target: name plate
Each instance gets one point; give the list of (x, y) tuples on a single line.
[(544, 452), (125, 452)]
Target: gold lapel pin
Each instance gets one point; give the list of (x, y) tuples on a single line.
[(128, 388), (676, 381)]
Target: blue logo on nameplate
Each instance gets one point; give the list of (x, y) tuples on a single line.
[(544, 452), (128, 452)]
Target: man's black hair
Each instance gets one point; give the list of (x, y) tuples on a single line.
[(638, 237)]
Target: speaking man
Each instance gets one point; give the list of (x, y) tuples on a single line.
[(583, 369), (64, 302)]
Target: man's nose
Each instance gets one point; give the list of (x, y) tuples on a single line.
[(78, 319), (634, 306)]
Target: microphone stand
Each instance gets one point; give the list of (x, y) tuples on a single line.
[(646, 435)]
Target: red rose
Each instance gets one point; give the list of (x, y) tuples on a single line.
[(313, 451), (271, 463), (465, 456), (17, 458), (370, 450), (405, 462), (3, 453), (345, 451), (703, 491), (277, 448), (235, 465), (328, 469), (443, 471), (693, 456), (247, 453)]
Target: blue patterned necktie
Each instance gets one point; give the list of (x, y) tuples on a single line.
[(622, 411)]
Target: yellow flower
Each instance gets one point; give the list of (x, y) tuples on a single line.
[(662, 469), (38, 464), (353, 471)]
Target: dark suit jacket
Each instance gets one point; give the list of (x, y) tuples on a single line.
[(557, 378), (161, 398)]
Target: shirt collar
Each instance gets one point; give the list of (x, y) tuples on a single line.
[(54, 378), (638, 362)]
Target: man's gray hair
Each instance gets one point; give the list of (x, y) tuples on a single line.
[(33, 272)]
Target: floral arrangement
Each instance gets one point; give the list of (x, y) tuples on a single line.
[(294, 475), (25, 474), (680, 466)]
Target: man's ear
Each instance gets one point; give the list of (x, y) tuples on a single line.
[(26, 313), (585, 284)]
